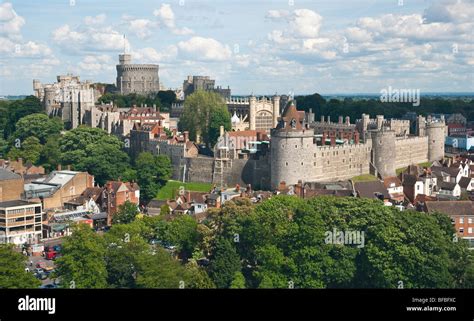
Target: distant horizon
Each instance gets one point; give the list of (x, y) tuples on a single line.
[(455, 94)]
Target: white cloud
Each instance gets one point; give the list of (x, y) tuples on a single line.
[(166, 18), (142, 28), (10, 22), (97, 20), (150, 55), (208, 49), (277, 14), (450, 11), (23, 49), (95, 64), (89, 39)]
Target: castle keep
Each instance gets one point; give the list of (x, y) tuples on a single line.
[(136, 78)]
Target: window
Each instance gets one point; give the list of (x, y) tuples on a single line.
[(461, 230), (469, 230), (301, 163), (296, 146), (470, 220), (286, 163), (314, 163), (461, 220)]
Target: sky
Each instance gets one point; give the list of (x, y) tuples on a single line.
[(259, 47)]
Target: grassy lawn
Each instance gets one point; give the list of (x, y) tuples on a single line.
[(425, 164), (172, 187), (364, 178)]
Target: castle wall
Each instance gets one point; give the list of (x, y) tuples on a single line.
[(135, 78), (411, 150)]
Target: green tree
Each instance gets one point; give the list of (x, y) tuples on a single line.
[(126, 213), (95, 151), (238, 282), (30, 150), (39, 126), (12, 270), (152, 173), (18, 109), (125, 244), (182, 232), (83, 264), (198, 109), (219, 117), (225, 262), (51, 153), (160, 270)]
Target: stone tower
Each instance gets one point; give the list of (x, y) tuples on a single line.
[(421, 126), (384, 151), (136, 78), (290, 156), (276, 109), (436, 132)]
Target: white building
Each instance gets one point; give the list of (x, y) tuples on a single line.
[(20, 222)]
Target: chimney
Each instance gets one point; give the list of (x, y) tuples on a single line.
[(323, 139), (59, 167), (333, 140), (299, 189), (282, 186), (348, 120), (249, 189), (237, 188), (174, 132), (322, 119), (356, 137), (221, 131), (68, 167), (329, 119), (340, 119), (20, 161), (186, 136)]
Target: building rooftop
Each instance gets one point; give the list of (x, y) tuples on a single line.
[(16, 203), (8, 175), (450, 207)]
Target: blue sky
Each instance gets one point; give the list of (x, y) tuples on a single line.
[(252, 46)]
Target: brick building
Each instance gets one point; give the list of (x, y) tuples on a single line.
[(11, 185)]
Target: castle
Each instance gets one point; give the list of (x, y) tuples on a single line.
[(302, 149), (136, 78), (68, 98)]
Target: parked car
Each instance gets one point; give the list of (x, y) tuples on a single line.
[(42, 276), (51, 255), (41, 265), (49, 286), (57, 248), (39, 271)]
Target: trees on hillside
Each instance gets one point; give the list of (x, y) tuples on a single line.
[(95, 151), (204, 112), (152, 173)]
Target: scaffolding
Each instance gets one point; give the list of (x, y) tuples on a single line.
[(221, 161)]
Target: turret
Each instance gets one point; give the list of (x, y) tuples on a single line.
[(384, 151), (436, 132)]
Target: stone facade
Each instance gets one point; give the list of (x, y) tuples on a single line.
[(296, 155), (136, 78), (68, 98)]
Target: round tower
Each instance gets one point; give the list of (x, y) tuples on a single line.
[(436, 133), (49, 97), (384, 152), (290, 146)]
